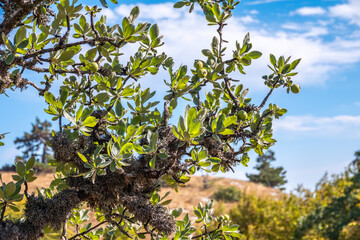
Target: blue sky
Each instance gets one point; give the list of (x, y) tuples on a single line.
[(321, 130)]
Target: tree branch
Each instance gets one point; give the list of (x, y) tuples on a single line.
[(12, 19), (267, 96), (206, 233), (3, 211), (87, 231)]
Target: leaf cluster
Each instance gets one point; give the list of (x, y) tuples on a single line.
[(113, 157)]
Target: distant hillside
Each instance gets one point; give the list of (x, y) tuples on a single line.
[(188, 196)]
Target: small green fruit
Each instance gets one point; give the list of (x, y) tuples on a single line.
[(198, 65), (94, 67), (202, 73), (295, 88), (242, 115)]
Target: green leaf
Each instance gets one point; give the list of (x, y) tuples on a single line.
[(152, 162), (50, 98), (69, 117), (90, 55), (104, 3), (10, 59), (162, 155), (17, 178), (102, 97), (281, 62), (127, 92), (20, 168), (23, 44), (254, 54), (52, 69), (219, 68), (153, 70), (272, 59), (154, 32), (294, 64), (166, 202), (210, 18), (90, 121), (67, 55), (10, 189), (197, 213), (79, 112), (217, 10), (216, 137), (63, 96), (190, 117), (30, 163), (215, 160), (14, 208), (207, 53), (179, 4), (230, 120), (82, 21), (20, 35), (154, 138), (82, 157), (104, 164), (135, 12), (177, 212), (226, 132)]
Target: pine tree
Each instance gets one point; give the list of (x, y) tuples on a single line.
[(35, 141), (268, 175)]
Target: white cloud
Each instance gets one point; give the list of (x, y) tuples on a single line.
[(349, 11), (342, 125), (263, 1), (155, 12), (248, 19), (306, 29), (308, 11), (185, 35)]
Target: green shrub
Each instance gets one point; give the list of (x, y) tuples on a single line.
[(229, 194), (268, 218), (8, 168), (44, 168)]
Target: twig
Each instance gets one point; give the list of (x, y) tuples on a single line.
[(233, 97), (26, 189), (68, 45), (67, 33), (64, 231), (260, 122), (92, 25), (267, 96), (226, 79), (166, 113), (206, 233), (60, 124), (89, 230), (3, 211)]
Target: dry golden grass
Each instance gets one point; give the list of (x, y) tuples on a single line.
[(194, 192), (187, 197), (43, 180)]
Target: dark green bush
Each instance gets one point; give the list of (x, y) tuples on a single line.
[(229, 194), (8, 168)]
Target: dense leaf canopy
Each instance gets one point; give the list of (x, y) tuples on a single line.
[(114, 143)]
